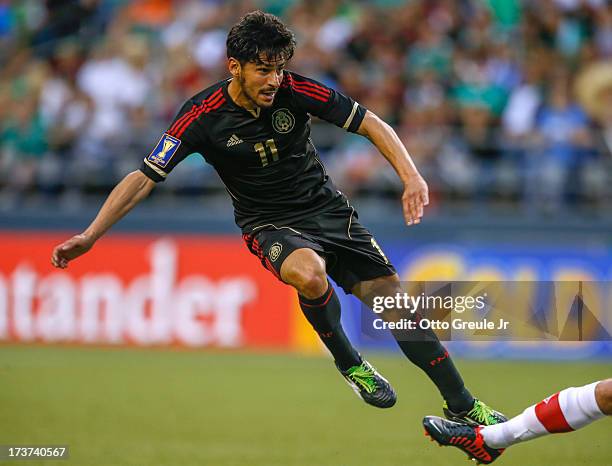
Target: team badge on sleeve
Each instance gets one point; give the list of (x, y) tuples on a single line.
[(165, 149)]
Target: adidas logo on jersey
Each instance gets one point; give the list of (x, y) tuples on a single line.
[(234, 140)]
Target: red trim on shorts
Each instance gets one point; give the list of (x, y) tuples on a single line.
[(257, 249), (271, 268)]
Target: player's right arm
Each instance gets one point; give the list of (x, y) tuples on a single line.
[(174, 146), (130, 191)]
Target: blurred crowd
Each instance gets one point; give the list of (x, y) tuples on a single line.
[(496, 100)]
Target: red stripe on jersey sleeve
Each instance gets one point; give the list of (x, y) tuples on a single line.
[(311, 89), (311, 84), (185, 124), (314, 96), (178, 122), (178, 127), (188, 117), (205, 108), (287, 80)]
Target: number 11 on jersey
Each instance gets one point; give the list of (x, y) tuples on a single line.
[(263, 155)]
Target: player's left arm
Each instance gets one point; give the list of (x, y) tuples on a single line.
[(416, 193), (330, 105)]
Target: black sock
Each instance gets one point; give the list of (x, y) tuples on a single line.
[(323, 313), (424, 350)]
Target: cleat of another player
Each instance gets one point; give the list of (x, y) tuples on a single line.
[(480, 415), (369, 385), (467, 438)]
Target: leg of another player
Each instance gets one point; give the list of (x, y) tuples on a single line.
[(603, 396), (566, 411), (305, 270), (421, 347)]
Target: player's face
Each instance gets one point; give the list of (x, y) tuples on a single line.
[(260, 80)]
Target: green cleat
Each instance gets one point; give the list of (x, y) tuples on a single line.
[(370, 386), (480, 415)]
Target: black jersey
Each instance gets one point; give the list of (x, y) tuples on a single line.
[(268, 163)]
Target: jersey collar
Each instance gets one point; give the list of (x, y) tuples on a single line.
[(233, 104)]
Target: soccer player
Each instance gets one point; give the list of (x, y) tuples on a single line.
[(254, 129), (568, 410)]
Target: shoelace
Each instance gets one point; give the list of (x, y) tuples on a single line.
[(363, 377), (482, 414)]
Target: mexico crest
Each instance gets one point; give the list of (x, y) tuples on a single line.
[(275, 251), (282, 120)]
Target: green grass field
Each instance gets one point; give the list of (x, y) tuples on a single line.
[(154, 407)]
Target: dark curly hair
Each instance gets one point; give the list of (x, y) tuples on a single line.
[(260, 33)]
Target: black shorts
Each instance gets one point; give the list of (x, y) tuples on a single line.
[(351, 253)]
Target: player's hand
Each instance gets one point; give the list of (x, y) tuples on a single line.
[(414, 199), (71, 249)]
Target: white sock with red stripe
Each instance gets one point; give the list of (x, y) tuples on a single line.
[(568, 410)]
